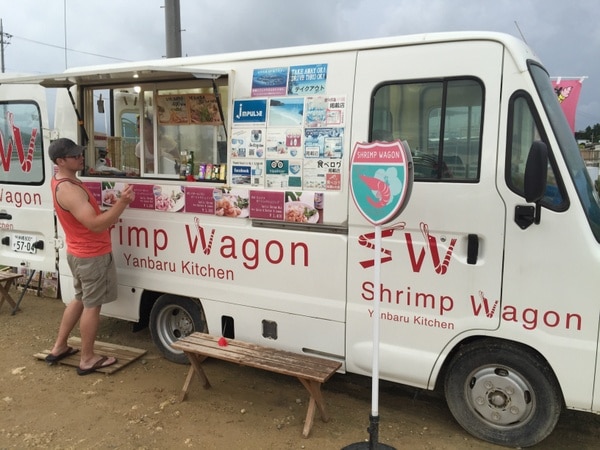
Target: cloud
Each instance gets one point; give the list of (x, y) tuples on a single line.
[(565, 36)]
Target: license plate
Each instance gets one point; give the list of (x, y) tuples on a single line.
[(23, 243)]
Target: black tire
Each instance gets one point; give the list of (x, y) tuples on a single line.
[(502, 393), (172, 318)]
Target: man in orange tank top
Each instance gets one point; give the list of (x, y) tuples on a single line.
[(89, 254)]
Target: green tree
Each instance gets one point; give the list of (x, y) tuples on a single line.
[(591, 134)]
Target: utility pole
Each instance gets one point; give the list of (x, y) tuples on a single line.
[(173, 28), (4, 38)]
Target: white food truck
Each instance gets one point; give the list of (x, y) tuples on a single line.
[(244, 226)]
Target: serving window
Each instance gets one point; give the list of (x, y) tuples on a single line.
[(158, 131)]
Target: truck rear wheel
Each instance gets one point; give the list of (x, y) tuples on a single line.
[(502, 393), (172, 318)]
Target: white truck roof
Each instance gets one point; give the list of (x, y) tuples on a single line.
[(190, 67)]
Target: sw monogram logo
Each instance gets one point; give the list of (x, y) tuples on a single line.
[(15, 140), (416, 258)]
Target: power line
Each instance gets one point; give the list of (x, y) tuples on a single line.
[(69, 49)]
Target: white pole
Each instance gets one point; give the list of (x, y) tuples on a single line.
[(377, 299), (65, 25)]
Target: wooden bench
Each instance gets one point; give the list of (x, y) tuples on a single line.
[(310, 370), (6, 280)]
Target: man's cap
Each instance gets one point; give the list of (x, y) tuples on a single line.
[(63, 147)]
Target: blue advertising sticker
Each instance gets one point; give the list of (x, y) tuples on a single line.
[(269, 81), (307, 80), (277, 167), (250, 111)]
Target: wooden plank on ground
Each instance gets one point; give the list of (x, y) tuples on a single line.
[(124, 355)]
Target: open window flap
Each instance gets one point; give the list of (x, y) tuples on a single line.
[(119, 75)]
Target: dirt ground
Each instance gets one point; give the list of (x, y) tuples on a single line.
[(138, 408)]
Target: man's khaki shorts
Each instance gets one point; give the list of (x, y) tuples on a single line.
[(94, 279)]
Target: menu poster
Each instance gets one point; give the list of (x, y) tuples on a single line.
[(197, 109), (232, 203), (144, 196), (199, 200), (107, 194), (290, 206), (96, 190), (169, 198), (172, 110), (203, 109), (303, 207), (266, 205)]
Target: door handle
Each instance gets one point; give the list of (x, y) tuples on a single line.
[(472, 249)]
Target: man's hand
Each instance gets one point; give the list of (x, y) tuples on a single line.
[(127, 194)]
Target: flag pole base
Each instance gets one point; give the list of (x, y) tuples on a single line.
[(373, 443)]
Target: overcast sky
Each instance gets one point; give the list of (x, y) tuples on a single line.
[(565, 35)]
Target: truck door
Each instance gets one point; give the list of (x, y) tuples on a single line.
[(550, 300), (441, 267), (27, 227)]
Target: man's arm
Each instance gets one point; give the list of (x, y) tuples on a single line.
[(74, 199)]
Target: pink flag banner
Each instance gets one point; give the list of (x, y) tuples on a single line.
[(567, 92)]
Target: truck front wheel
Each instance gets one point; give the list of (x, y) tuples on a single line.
[(172, 318), (502, 393)]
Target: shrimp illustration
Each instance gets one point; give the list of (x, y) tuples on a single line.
[(489, 314), (206, 248), (381, 190), (440, 267), (366, 240)]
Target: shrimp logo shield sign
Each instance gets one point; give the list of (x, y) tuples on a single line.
[(380, 179)]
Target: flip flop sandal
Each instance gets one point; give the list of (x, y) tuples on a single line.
[(53, 359), (98, 365)]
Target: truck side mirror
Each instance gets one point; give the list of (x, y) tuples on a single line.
[(536, 175)]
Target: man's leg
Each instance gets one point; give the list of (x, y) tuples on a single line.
[(71, 315), (88, 327)]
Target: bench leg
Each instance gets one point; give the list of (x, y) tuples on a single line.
[(316, 401), (196, 367), (5, 295), (16, 307), (186, 385)]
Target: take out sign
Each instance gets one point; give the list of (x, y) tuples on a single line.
[(381, 179)]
